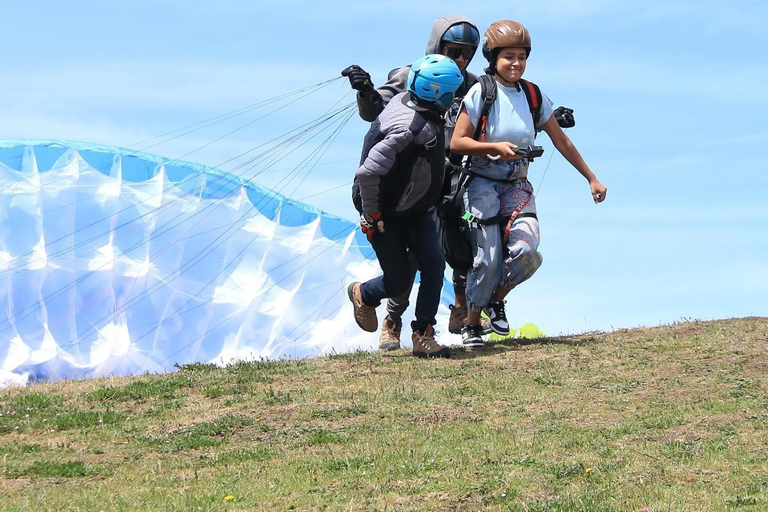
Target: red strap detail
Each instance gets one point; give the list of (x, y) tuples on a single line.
[(532, 92), (512, 219), (482, 129)]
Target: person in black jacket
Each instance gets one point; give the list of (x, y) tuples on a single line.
[(397, 185), (458, 38)]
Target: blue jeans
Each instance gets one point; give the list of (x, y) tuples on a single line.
[(418, 234)]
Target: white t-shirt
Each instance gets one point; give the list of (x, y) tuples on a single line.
[(515, 125)]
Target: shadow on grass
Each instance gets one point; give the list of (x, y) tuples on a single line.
[(491, 348), (495, 347)]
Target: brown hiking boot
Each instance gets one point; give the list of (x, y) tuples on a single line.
[(390, 333), (365, 316), (485, 325), (457, 319), (424, 345)]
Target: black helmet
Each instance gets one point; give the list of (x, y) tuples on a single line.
[(462, 33)]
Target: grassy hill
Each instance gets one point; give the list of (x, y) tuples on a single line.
[(669, 418)]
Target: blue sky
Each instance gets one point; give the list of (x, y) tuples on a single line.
[(668, 96)]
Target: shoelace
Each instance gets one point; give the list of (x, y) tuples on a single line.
[(474, 331), (428, 342), (393, 329), (365, 310), (500, 310)]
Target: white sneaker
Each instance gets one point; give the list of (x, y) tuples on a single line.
[(471, 336), (498, 317)]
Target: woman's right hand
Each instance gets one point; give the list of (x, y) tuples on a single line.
[(505, 151)]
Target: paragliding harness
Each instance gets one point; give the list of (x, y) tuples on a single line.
[(452, 205)]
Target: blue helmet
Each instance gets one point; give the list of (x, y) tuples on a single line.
[(434, 79)]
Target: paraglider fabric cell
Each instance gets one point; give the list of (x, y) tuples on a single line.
[(114, 262)]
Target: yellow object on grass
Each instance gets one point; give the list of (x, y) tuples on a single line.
[(528, 331)]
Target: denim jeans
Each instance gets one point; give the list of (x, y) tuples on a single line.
[(417, 234), (396, 306)]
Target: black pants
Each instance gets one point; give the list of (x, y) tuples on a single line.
[(418, 234)]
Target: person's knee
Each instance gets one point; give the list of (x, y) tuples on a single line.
[(521, 266), (533, 261), (539, 258), (532, 258), (522, 250)]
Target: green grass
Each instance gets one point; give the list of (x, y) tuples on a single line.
[(673, 418)]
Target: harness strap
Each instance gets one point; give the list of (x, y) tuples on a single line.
[(488, 91), (498, 219), (533, 96), (512, 218), (482, 128)]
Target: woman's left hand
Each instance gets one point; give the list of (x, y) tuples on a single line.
[(598, 191)]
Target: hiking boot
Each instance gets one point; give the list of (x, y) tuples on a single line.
[(365, 316), (472, 336), (498, 317), (390, 333), (424, 345), (485, 326), (457, 319)]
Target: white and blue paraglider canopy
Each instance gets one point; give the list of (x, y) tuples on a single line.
[(114, 262)]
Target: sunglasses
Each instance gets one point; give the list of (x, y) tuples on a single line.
[(454, 53)]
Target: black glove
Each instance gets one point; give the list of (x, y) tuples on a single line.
[(358, 78), (564, 117)]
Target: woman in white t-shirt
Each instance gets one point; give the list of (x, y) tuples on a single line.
[(499, 185)]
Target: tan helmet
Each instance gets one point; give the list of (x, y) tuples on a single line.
[(505, 34)]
